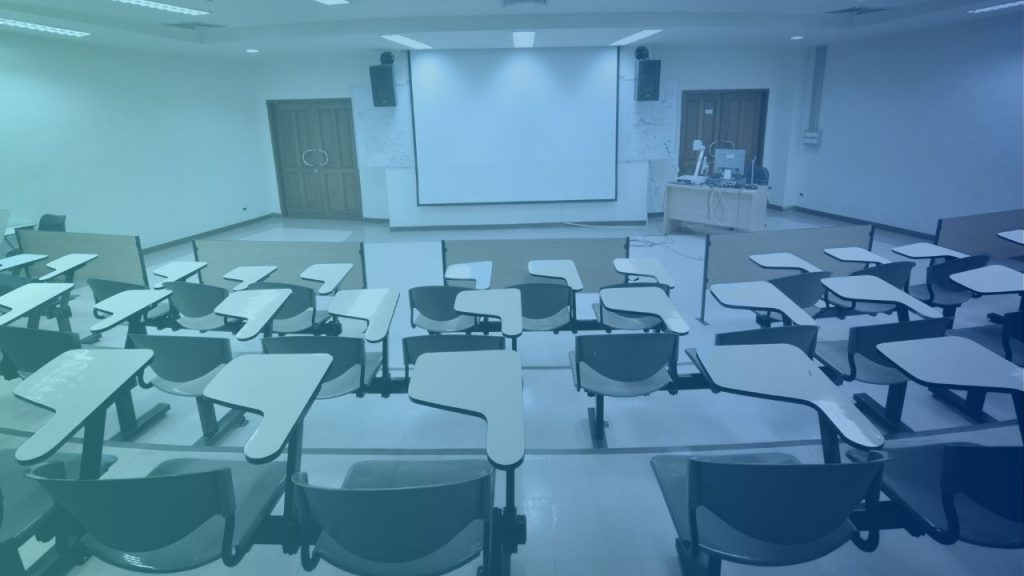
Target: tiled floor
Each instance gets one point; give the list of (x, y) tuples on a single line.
[(589, 512)]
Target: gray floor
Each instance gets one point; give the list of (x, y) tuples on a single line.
[(588, 511)]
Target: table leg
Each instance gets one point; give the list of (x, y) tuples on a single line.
[(290, 542), (829, 440), (902, 314), (385, 372), (510, 528), (92, 445)]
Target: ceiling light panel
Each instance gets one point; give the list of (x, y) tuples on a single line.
[(164, 7), (406, 41), (332, 2), (635, 37), (42, 28), (996, 7)]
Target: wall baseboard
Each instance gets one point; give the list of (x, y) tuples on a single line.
[(208, 233), (886, 227)]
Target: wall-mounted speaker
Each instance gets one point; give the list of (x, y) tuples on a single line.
[(382, 84), (648, 80)]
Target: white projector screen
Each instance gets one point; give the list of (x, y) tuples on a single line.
[(513, 126)]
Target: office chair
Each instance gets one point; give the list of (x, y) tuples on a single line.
[(52, 223), (432, 308), (547, 306), (939, 290), (415, 346), (352, 367), (804, 289)]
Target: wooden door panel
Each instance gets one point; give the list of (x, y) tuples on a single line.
[(700, 122), (338, 165)]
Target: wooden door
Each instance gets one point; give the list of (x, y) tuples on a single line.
[(723, 116), (314, 153), (700, 122)]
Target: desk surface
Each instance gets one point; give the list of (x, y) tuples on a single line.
[(564, 269), (760, 295), (65, 264), (645, 267), (478, 272), (248, 275), (954, 361), (19, 260), (374, 305), (783, 372), (255, 307), (74, 385), (645, 300), (329, 275), (1015, 236), (26, 299), (124, 305), (867, 288), (783, 261), (11, 229), (488, 384), (178, 271), (927, 250), (505, 304), (991, 279), (280, 387), (856, 254)]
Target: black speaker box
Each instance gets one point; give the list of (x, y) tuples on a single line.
[(382, 84), (648, 80)]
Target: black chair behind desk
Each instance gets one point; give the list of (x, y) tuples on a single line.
[(859, 359), (805, 290), (895, 273), (803, 337), (52, 223), (298, 314), (432, 308), (958, 492), (207, 510), (764, 509), (938, 290), (392, 518), (621, 366)]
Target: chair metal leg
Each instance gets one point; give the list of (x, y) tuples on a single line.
[(214, 429), (597, 424), (701, 564), (10, 560), (889, 416)]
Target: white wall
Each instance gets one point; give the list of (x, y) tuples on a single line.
[(921, 126), (130, 143)]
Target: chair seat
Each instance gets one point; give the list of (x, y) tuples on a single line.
[(862, 307), (772, 317), (556, 322), (592, 381), (834, 355), (618, 321), (939, 296), (460, 323), (301, 322), (211, 321), (348, 381), (189, 388), (256, 489)]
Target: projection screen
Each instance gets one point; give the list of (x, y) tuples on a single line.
[(515, 126)]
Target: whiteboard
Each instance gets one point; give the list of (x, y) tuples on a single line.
[(383, 135), (648, 130)]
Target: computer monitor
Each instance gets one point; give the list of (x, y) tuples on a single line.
[(732, 159)]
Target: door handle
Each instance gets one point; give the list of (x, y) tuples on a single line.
[(327, 158), (304, 161)]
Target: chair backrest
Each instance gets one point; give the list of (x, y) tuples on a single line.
[(864, 340), (301, 299), (195, 300), (1013, 329), (434, 302), (142, 514), (183, 358), (781, 503), (895, 273), (761, 175), (804, 289), (415, 346), (345, 351), (938, 274), (628, 357), (993, 478), (29, 349), (52, 223), (543, 299), (663, 287), (103, 289), (803, 337), (9, 283), (403, 523)]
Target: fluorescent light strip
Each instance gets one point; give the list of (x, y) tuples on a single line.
[(407, 42), (164, 7), (41, 28), (996, 7), (523, 39), (634, 37), (333, 2)]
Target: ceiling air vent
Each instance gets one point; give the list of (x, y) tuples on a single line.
[(194, 25), (857, 10)]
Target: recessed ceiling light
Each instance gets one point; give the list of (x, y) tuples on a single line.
[(634, 37), (164, 7), (796, 37), (42, 28), (405, 41), (332, 2), (996, 7), (523, 39), (252, 51)]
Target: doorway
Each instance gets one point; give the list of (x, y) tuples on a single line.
[(315, 157), (723, 116)]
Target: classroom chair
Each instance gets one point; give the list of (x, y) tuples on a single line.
[(1012, 329), (804, 289), (938, 290), (29, 349), (415, 346), (103, 289), (206, 510), (959, 492), (399, 518), (613, 320), (803, 337), (298, 314), (764, 509), (621, 366), (547, 306), (195, 303), (858, 359), (184, 366), (52, 223), (432, 308), (895, 273), (352, 367)]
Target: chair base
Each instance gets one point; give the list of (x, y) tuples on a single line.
[(597, 424), (131, 424), (972, 407), (889, 416), (703, 564), (214, 430)]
